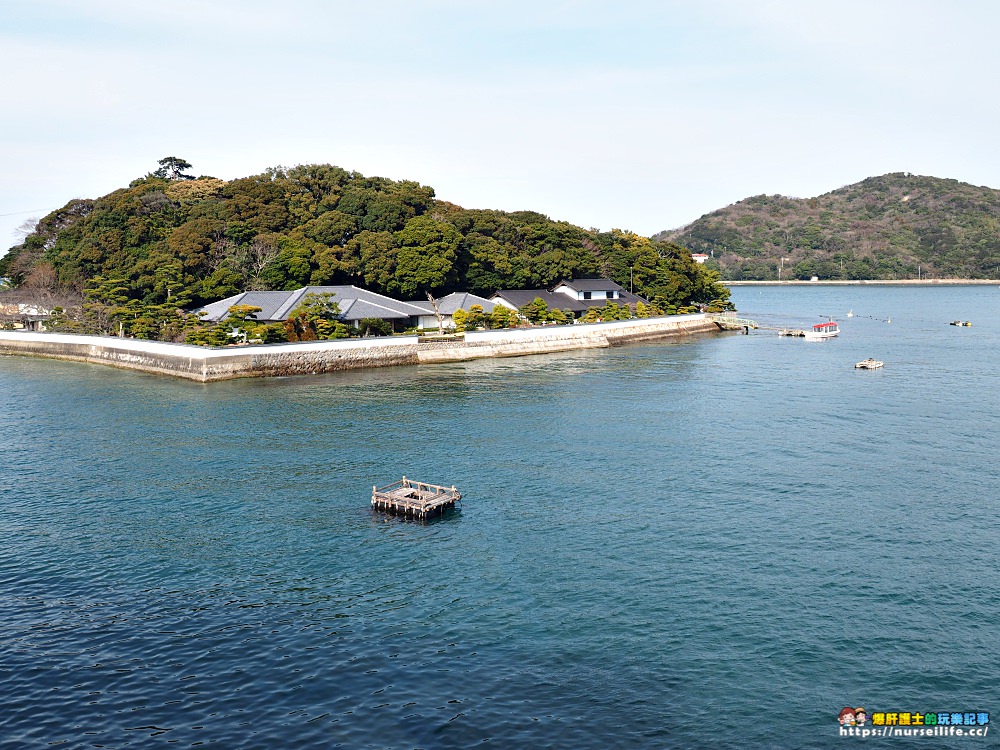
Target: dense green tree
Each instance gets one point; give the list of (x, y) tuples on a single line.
[(426, 257), (316, 317), (536, 311), (249, 266), (374, 327), (173, 168), (334, 259), (293, 266), (239, 326), (679, 281), (555, 315), (502, 317), (614, 311), (258, 202), (377, 253), (314, 189), (475, 319)]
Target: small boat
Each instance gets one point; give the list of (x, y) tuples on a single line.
[(822, 331), (869, 364), (961, 323)]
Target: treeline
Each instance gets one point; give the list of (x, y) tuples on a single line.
[(172, 242), (897, 226)]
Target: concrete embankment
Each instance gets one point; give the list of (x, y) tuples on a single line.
[(205, 364), (516, 342)]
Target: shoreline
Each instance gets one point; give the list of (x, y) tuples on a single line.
[(866, 282), (206, 364)]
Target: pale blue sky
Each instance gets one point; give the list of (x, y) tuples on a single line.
[(628, 114)]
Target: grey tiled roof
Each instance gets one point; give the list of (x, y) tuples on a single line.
[(268, 302), (464, 300), (452, 302), (521, 297), (356, 309), (354, 304)]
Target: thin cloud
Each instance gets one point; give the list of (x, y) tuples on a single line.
[(637, 115)]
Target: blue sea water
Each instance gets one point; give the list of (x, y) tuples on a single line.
[(714, 542)]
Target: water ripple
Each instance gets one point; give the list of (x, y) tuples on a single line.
[(657, 542)]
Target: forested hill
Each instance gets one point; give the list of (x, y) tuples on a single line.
[(898, 226), (176, 241)]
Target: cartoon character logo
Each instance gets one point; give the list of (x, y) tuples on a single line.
[(860, 717), (846, 717)]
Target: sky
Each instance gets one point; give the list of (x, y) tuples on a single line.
[(633, 114)]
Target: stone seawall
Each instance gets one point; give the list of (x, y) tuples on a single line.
[(517, 342), (204, 364)]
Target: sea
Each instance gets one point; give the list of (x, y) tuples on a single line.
[(715, 541)]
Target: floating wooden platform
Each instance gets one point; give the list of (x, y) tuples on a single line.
[(414, 499)]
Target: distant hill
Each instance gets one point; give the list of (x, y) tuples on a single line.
[(897, 226)]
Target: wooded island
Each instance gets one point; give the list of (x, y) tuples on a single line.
[(140, 260)]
